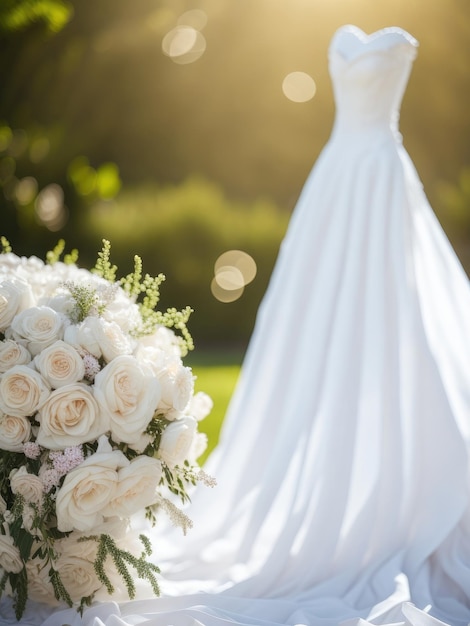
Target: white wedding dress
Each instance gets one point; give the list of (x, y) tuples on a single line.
[(343, 472)]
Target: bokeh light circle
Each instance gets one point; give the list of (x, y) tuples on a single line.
[(225, 295), (229, 278), (299, 87), (240, 260), (184, 44), (232, 271)]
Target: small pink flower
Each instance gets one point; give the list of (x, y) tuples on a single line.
[(65, 461), (92, 366), (50, 479), (31, 449)]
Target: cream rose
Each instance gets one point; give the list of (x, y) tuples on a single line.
[(27, 485), (200, 405), (78, 576), (88, 489), (60, 364), (39, 327), (10, 559), (137, 486), (39, 583), (22, 391), (15, 296), (99, 337), (177, 441), (14, 431), (11, 354), (128, 393), (69, 417), (177, 383)]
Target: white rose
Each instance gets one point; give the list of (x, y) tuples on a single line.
[(198, 447), (177, 440), (15, 296), (28, 516), (69, 417), (123, 312), (99, 338), (88, 489), (128, 393), (78, 576), (22, 391), (39, 583), (60, 364), (177, 383), (27, 485), (14, 431), (10, 559), (39, 327), (164, 339), (11, 354), (200, 405), (137, 486)]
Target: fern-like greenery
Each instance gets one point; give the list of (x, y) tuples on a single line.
[(123, 561)]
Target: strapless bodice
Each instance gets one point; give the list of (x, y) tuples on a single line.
[(369, 75)]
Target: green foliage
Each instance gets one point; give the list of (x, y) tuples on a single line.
[(5, 245), (16, 15), (53, 256)]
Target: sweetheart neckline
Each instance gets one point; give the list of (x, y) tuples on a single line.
[(365, 41)]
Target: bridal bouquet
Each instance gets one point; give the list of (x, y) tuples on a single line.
[(98, 422)]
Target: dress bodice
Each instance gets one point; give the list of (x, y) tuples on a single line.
[(369, 75)]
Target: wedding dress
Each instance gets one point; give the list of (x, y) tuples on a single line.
[(342, 469)]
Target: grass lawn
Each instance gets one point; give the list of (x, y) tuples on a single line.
[(216, 374)]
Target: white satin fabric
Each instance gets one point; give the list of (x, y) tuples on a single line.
[(343, 473)]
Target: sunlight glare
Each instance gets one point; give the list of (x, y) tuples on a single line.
[(225, 295), (229, 278), (299, 87), (239, 260), (184, 44), (49, 207), (232, 271)]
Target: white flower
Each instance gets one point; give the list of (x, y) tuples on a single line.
[(123, 312), (60, 364), (198, 447), (38, 327), (15, 430), (137, 486), (163, 339), (177, 440), (99, 338), (200, 405), (11, 354), (15, 296), (78, 575), (129, 394), (88, 489), (27, 485), (69, 417), (10, 559), (177, 383), (22, 391), (39, 583)]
